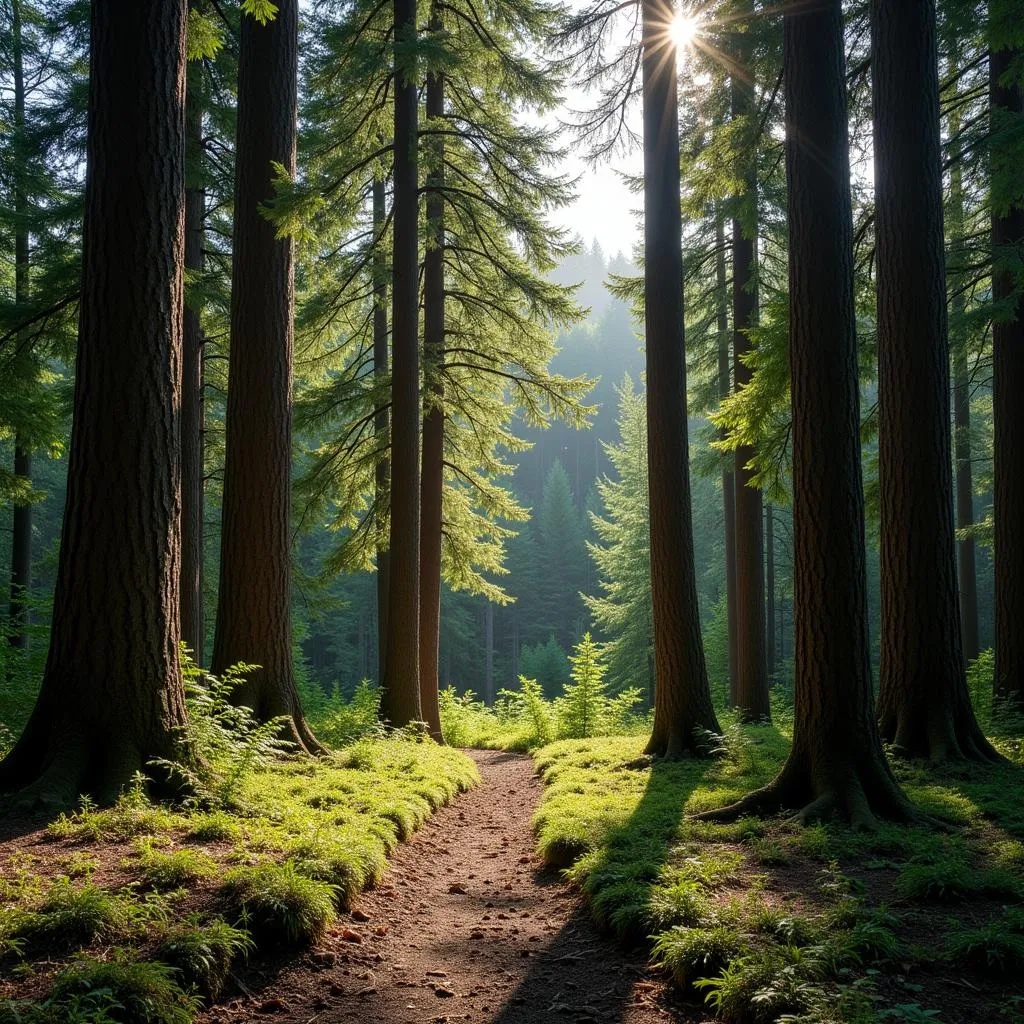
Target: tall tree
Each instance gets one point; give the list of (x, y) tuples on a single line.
[(192, 471), (432, 474), (751, 692), (1006, 98), (254, 597), (400, 703), (728, 475), (382, 467), (682, 706), (112, 696), (836, 765), (923, 705)]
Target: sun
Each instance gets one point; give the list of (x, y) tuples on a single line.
[(684, 30)]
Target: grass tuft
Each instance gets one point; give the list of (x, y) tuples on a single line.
[(203, 954)]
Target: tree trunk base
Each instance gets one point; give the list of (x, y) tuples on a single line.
[(860, 799), (683, 745), (957, 738)]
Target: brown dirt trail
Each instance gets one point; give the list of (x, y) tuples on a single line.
[(466, 925)]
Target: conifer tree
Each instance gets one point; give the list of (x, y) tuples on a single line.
[(254, 596), (112, 697)]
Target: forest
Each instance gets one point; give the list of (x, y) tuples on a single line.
[(417, 607)]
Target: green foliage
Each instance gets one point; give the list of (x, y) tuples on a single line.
[(119, 991), (131, 816), (226, 743), (172, 869), (547, 663), (203, 954), (996, 949), (72, 916), (338, 722), (690, 954), (583, 707), (280, 905), (951, 880), (527, 704)]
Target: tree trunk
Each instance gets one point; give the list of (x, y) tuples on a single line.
[(1008, 414), (728, 480), (967, 573), (923, 705), (683, 713), (382, 471), (400, 700), (112, 697), (254, 606), (21, 525), (769, 516), (432, 476), (489, 654), (192, 471), (752, 704), (836, 764)]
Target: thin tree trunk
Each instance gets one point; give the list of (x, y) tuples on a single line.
[(400, 701), (923, 705), (683, 712), (836, 764), (967, 572), (254, 606), (489, 653), (112, 696), (769, 517), (192, 472), (1008, 414), (432, 475), (751, 701), (21, 526), (382, 471), (728, 479)]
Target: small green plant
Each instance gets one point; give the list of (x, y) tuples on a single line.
[(582, 709), (994, 949), (203, 954), (338, 721), (528, 704), (131, 816), (121, 991), (227, 743), (170, 870), (214, 827), (279, 904), (71, 917), (692, 954), (951, 880)]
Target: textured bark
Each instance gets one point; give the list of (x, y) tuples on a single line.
[(728, 479), (21, 525), (382, 471), (254, 600), (192, 626), (432, 475), (769, 547), (751, 698), (112, 697), (1008, 414), (400, 699), (923, 705), (682, 708), (836, 765)]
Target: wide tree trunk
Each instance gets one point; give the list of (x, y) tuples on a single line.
[(836, 765), (382, 471), (683, 713), (254, 600), (751, 699), (432, 475), (112, 697), (728, 479), (192, 472), (21, 525), (400, 700), (1008, 413), (923, 705)]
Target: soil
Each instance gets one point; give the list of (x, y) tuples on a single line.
[(466, 925)]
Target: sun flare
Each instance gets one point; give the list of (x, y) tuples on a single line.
[(684, 30)]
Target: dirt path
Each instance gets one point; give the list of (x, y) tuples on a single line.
[(465, 926)]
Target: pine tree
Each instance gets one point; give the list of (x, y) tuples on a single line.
[(112, 697), (254, 596)]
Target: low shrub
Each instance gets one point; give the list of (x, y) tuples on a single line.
[(203, 954), (692, 954)]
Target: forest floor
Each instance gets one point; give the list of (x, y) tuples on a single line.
[(467, 924)]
